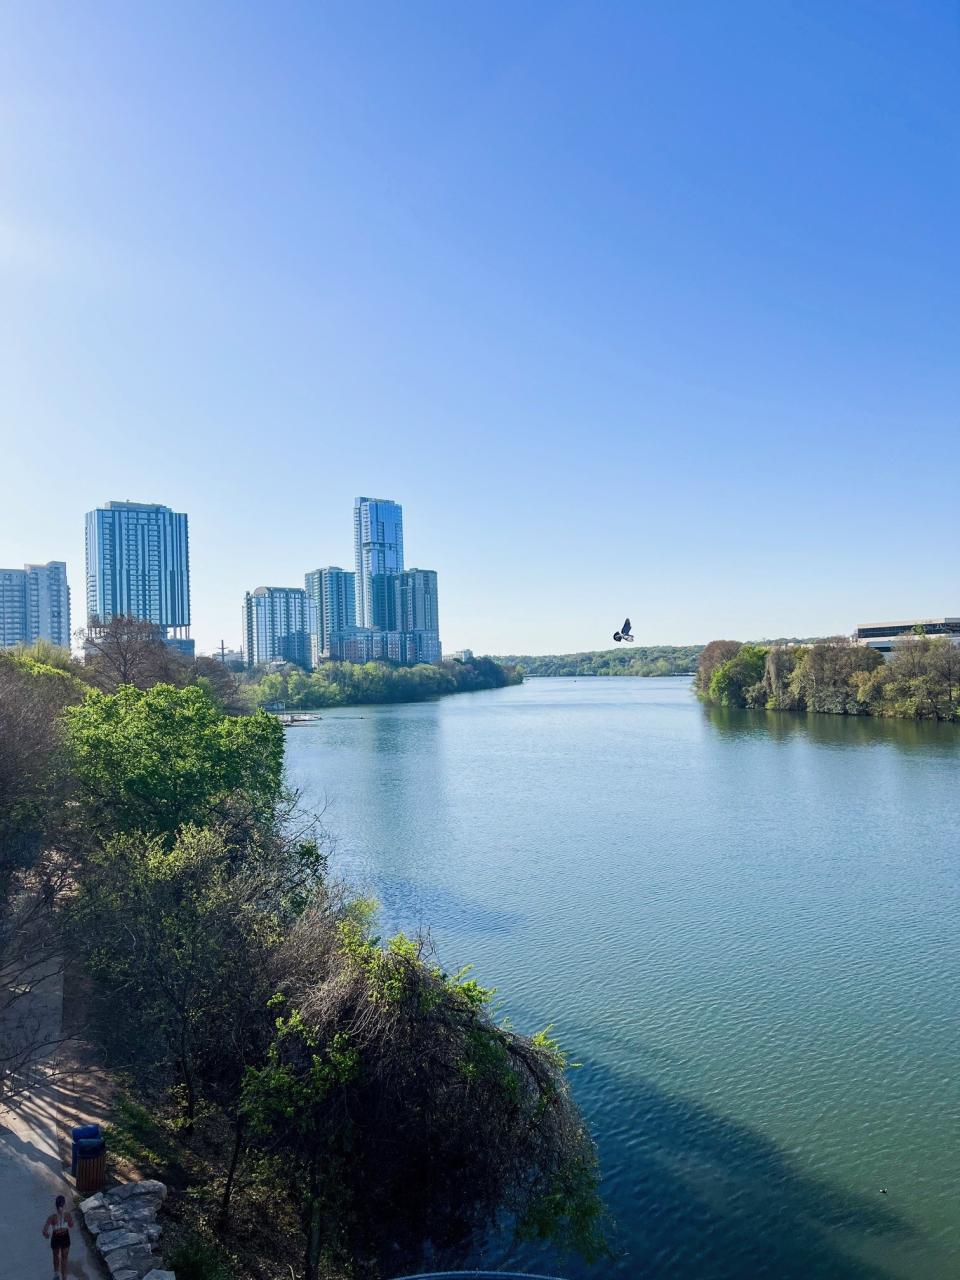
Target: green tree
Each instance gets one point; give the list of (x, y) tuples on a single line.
[(172, 934), (153, 760), (712, 656), (33, 773), (733, 682), (368, 1034)]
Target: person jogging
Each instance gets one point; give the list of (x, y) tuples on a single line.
[(57, 1228)]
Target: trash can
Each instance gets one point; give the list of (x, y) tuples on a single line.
[(91, 1166), (77, 1135)]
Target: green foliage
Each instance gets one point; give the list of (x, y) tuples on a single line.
[(154, 760), (732, 682), (176, 935), (364, 1084), (135, 1134), (387, 1033), (628, 660), (198, 1259), (920, 681), (36, 685), (338, 684)]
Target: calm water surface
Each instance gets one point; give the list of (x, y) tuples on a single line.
[(745, 926)]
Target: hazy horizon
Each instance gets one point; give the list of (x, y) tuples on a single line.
[(635, 309)]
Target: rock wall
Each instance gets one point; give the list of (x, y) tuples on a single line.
[(123, 1223)]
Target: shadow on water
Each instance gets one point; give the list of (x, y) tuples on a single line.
[(405, 904), (704, 1197), (834, 731)]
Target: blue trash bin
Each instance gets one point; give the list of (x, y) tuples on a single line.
[(82, 1133)]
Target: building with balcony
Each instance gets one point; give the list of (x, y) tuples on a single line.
[(332, 593), (278, 623), (138, 566), (35, 605)]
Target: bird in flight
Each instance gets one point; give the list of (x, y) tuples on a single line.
[(624, 633)]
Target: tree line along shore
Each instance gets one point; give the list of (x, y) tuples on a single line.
[(129, 651), (323, 1102), (920, 679)]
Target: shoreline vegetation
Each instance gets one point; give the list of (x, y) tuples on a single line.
[(348, 684), (919, 681), (316, 1096), (657, 660)]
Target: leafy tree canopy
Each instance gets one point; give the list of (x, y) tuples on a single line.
[(152, 760)]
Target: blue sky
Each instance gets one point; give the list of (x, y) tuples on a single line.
[(636, 307)]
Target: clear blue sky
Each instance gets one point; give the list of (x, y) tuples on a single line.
[(636, 307)]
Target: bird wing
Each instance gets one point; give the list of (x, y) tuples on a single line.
[(625, 629)]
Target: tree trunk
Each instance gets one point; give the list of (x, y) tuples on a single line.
[(312, 1226), (187, 1073), (231, 1174)]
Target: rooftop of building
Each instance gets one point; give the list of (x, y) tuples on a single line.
[(127, 505), (912, 622)]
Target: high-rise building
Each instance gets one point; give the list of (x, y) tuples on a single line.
[(331, 591), (277, 625), (138, 566), (378, 547), (417, 600), (35, 604), (417, 613)]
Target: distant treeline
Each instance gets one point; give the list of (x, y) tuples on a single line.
[(339, 684), (659, 660), (921, 679)]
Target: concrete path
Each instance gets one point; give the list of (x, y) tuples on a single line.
[(31, 1170)]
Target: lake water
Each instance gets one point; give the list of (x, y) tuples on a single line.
[(743, 925)]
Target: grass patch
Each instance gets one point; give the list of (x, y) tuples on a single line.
[(194, 1258), (140, 1138)]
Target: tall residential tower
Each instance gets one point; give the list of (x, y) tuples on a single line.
[(35, 605), (378, 547), (277, 624), (332, 592), (138, 566)]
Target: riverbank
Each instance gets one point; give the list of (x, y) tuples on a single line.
[(626, 660), (348, 684), (919, 681)]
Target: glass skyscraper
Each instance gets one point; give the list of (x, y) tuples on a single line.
[(138, 565), (332, 592), (277, 624), (35, 604), (378, 547)]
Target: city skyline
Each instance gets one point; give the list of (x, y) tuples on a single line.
[(657, 299), (379, 611)]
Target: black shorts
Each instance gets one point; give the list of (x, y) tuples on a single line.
[(60, 1240)]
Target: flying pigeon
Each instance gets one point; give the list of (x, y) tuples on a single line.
[(624, 633)]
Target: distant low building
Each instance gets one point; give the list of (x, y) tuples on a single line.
[(885, 636), (351, 644), (461, 655)]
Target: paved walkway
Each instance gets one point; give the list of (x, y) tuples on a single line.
[(31, 1171)]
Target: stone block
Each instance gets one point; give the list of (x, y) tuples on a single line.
[(94, 1202), (139, 1259), (107, 1241), (98, 1220), (130, 1190), (160, 1275)]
